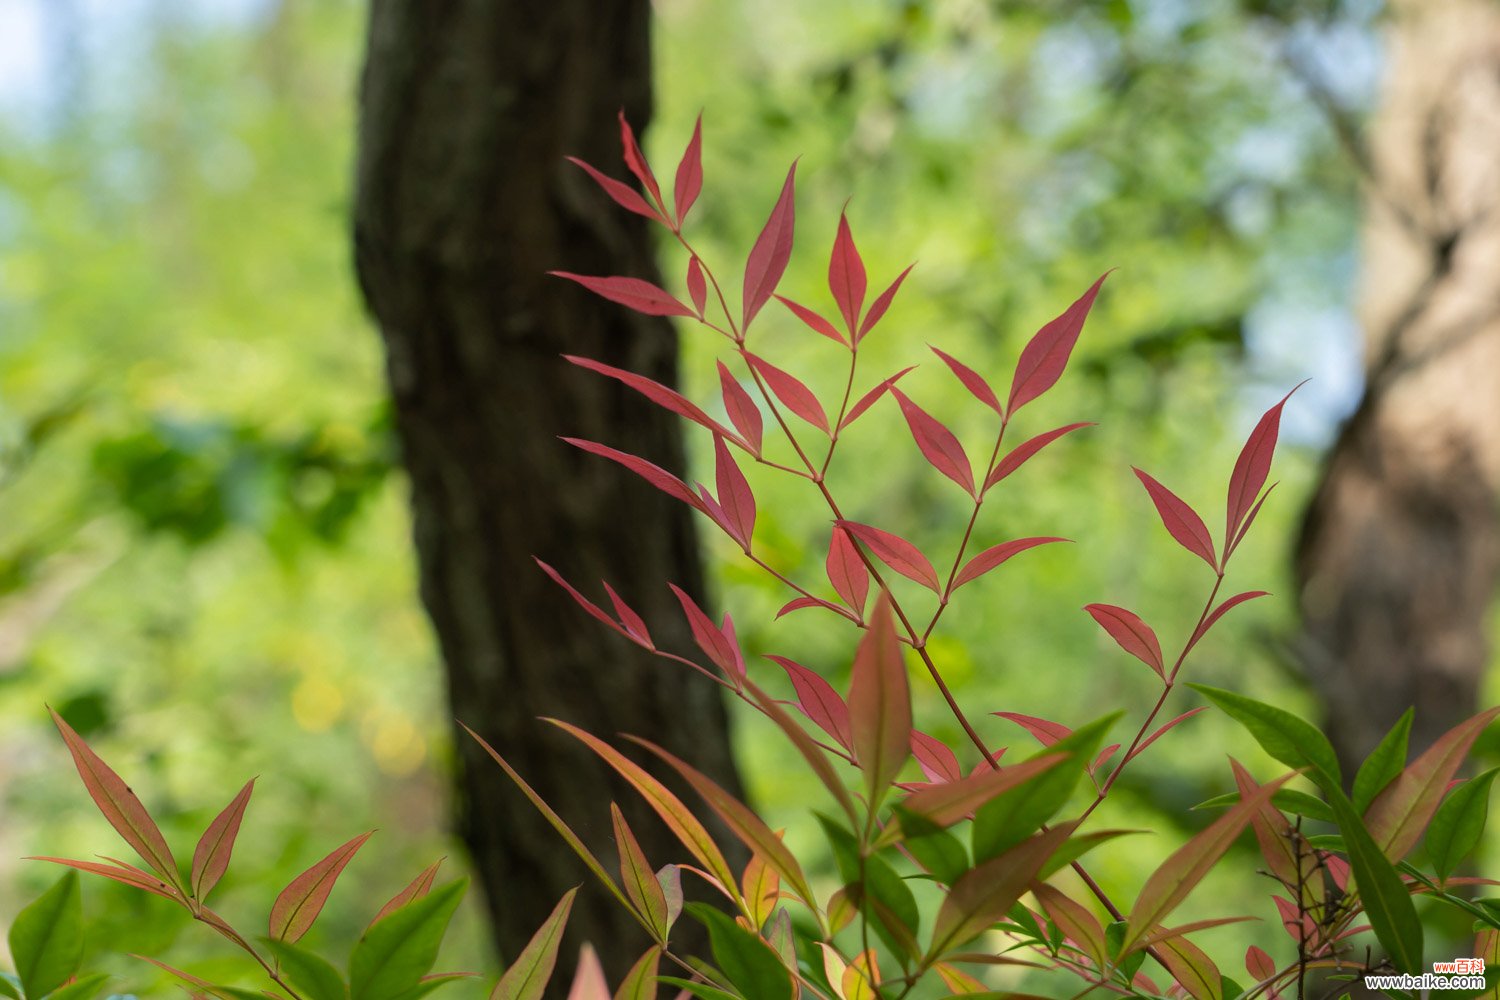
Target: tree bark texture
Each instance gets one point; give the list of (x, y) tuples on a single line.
[(1399, 555), (463, 202)]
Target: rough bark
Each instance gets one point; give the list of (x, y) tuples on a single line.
[(463, 203), (1399, 556)]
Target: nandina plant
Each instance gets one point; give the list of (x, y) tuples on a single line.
[(996, 850)]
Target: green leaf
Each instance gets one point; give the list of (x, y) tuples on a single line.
[(81, 988), (1458, 824), (10, 986), (1281, 734), (529, 974), (1387, 904), (941, 853), (1385, 762), (746, 961), (1016, 814), (890, 899), (985, 894), (1114, 937), (314, 976), (701, 990), (640, 982), (46, 940), (400, 948), (431, 983)]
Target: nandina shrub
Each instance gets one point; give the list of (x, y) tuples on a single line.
[(942, 872)]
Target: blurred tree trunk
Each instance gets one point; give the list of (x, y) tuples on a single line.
[(1399, 556), (464, 202)]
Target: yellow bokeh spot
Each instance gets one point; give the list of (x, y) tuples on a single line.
[(396, 745), (317, 703)]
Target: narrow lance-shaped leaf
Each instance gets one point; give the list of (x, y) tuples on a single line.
[(1458, 824), (697, 286), (211, 857), (818, 700), (1181, 521), (649, 471), (937, 443), (714, 641), (661, 395), (1252, 467), (792, 393), (1134, 635), (735, 496), (743, 412), (689, 181), (846, 275), (1281, 734), (813, 321), (1046, 355), (937, 760), (1045, 732), (637, 876), (896, 552), (593, 609), (972, 380), (870, 398), (1384, 763), (623, 194), (846, 570), (302, 900), (1076, 922), (809, 750), (529, 974), (1022, 452), (1194, 971), (635, 160), (984, 894), (771, 252), (995, 555), (630, 619), (881, 304), (642, 296), (946, 804), (1166, 728), (1388, 904), (880, 703), (119, 805), (1228, 605), (640, 982), (415, 889), (119, 873)]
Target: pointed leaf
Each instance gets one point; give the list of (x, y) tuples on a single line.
[(636, 161), (528, 975), (1046, 733), (881, 304), (642, 296), (1383, 764), (748, 963), (640, 982), (623, 194), (81, 988), (846, 275), (896, 552), (1164, 729), (211, 858), (985, 893), (415, 889), (697, 287), (637, 877), (937, 443), (689, 181), (588, 978), (734, 494), (870, 398), (126, 876), (1022, 452), (1194, 971), (663, 396), (1388, 905), (846, 570), (633, 623), (1281, 734), (972, 380), (743, 412), (1134, 635), (46, 939), (583, 602), (300, 902), (1458, 824), (880, 703), (1182, 522), (1253, 465), (1261, 966), (1219, 612), (714, 641), (1075, 920), (936, 759), (669, 877), (946, 804), (652, 473), (1046, 355), (793, 394), (813, 321), (119, 805), (818, 700), (313, 976), (772, 250), (809, 750), (995, 555)]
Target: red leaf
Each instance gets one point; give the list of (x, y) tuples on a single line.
[(1103, 757), (652, 473), (972, 380), (881, 304), (300, 902), (772, 250), (1182, 522), (1220, 611), (1133, 635), (985, 893), (793, 394), (661, 395), (1023, 451), (120, 873), (818, 700), (847, 571), (938, 444), (1046, 355), (743, 412), (880, 703), (1168, 727), (870, 398), (211, 857), (734, 494), (119, 805), (642, 296), (846, 275), (696, 285), (801, 603), (995, 555), (715, 645), (416, 889), (1259, 964), (1046, 733), (1253, 465), (896, 552), (1076, 921), (947, 803), (689, 174), (817, 323), (1249, 520), (636, 161), (635, 625), (583, 602), (588, 977), (623, 195), (936, 759), (1400, 813)]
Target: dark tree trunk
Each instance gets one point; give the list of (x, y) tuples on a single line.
[(464, 202), (1400, 550)]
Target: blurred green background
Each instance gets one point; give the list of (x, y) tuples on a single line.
[(204, 553)]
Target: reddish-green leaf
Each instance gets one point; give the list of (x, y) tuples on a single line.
[(416, 889), (818, 700), (528, 975), (1164, 729), (1182, 522), (846, 570), (1075, 921), (636, 161), (1286, 858), (302, 900), (1194, 971), (652, 473), (667, 398), (743, 412), (123, 874), (734, 494), (985, 893), (1046, 733), (995, 555), (640, 982), (946, 804), (1134, 635), (1177, 876), (972, 380), (1018, 455), (813, 321), (896, 552), (937, 760), (1261, 966), (870, 398), (772, 250), (211, 857), (642, 296), (678, 817), (1220, 611), (697, 286), (846, 275), (717, 643), (637, 876), (880, 305), (1399, 815), (937, 443), (1046, 355), (793, 394), (1253, 465), (119, 805), (809, 750), (689, 180), (880, 703), (623, 194)]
